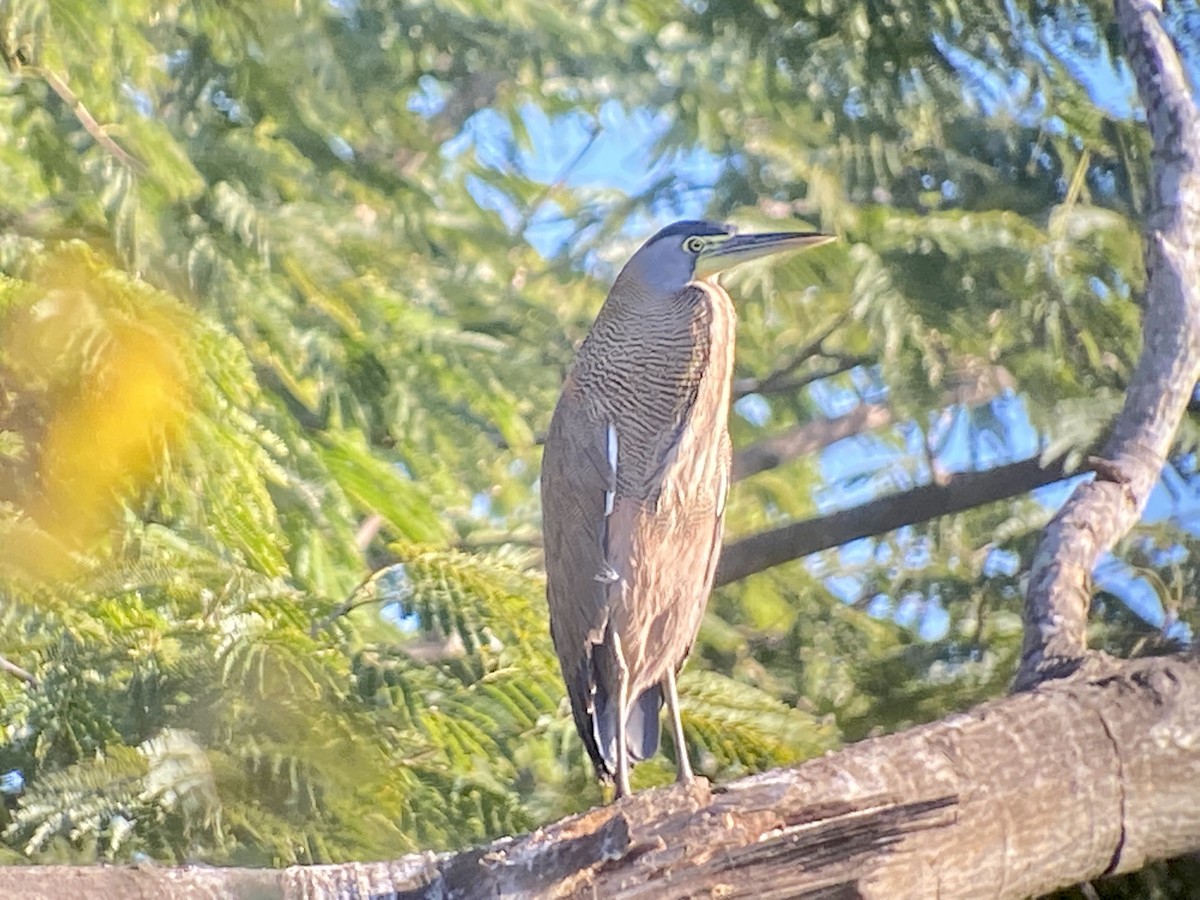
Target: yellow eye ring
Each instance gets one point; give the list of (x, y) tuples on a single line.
[(694, 244)]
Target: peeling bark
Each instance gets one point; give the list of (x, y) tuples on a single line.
[(1074, 779)]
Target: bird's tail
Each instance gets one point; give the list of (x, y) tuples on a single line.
[(642, 724), (641, 720)]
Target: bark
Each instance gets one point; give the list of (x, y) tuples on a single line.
[(1100, 512), (954, 493), (1064, 783)]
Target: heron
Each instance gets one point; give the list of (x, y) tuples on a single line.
[(635, 473)]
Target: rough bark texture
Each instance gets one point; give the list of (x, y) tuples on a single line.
[(1074, 779), (1100, 512), (955, 493)]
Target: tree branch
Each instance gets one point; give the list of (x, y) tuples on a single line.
[(743, 386), (807, 438), (559, 179), (781, 385), (365, 594), (958, 492), (1100, 512), (966, 807), (87, 120), (11, 668), (474, 92)]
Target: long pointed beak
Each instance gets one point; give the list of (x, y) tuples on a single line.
[(744, 247)]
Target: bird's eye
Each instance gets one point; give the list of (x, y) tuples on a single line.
[(693, 244)]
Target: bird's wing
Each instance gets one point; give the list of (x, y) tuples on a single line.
[(669, 405), (577, 485)]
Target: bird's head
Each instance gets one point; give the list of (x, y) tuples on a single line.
[(694, 250)]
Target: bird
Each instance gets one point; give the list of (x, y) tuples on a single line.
[(634, 478)]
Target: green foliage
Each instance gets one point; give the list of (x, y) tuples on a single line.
[(272, 319)]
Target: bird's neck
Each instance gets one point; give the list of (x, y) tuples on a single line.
[(659, 352), (718, 378)]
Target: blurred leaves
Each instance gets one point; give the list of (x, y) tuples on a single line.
[(287, 291), (98, 350)]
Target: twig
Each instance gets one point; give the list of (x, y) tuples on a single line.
[(17, 672), (368, 530), (841, 365), (364, 595), (807, 438), (86, 119), (800, 357), (563, 174)]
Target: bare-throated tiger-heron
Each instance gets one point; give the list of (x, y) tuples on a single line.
[(634, 478)]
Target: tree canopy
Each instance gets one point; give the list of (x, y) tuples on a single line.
[(287, 291)]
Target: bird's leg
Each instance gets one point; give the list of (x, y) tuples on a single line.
[(622, 711), (681, 755)]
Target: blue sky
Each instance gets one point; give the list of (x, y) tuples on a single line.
[(607, 155)]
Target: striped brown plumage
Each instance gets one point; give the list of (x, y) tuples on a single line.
[(659, 374), (634, 477)]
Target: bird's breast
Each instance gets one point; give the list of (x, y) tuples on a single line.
[(669, 407)]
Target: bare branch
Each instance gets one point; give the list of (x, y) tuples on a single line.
[(365, 594), (474, 93), (955, 493), (87, 120), (743, 386), (560, 179), (807, 438), (1101, 511), (16, 671), (368, 530), (781, 385)]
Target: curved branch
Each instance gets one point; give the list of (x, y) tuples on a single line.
[(838, 365), (1100, 512), (767, 383)]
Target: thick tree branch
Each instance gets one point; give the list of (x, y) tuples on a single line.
[(975, 805), (807, 438), (956, 493), (1100, 512)]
